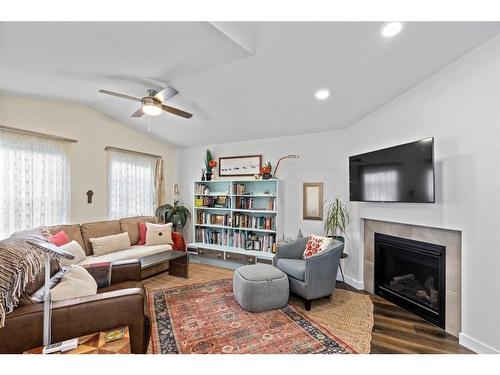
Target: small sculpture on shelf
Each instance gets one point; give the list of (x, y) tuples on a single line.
[(266, 171), (210, 164), (203, 174)]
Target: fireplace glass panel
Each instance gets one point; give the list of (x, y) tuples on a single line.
[(413, 275)]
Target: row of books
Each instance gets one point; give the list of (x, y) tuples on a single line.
[(243, 239), (218, 202), (216, 219), (248, 203), (256, 222), (210, 236)]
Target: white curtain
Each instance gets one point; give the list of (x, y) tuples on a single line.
[(131, 184), (34, 182)]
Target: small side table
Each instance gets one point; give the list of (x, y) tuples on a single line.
[(342, 256), (96, 344)]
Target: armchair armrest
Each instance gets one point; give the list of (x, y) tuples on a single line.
[(321, 271), (291, 250)]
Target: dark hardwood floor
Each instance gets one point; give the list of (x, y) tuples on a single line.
[(398, 331)]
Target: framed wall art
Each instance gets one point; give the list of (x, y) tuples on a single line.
[(312, 204), (248, 165)]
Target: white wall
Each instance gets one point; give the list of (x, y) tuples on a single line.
[(318, 162), (94, 131), (460, 107)]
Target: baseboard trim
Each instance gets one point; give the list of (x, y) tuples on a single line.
[(354, 283), (475, 345)]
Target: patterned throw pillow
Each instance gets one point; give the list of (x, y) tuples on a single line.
[(315, 245), (158, 234)]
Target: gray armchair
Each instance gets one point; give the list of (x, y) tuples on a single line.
[(313, 277)]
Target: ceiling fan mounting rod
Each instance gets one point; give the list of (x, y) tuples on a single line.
[(151, 92)]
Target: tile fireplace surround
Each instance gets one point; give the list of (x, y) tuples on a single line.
[(451, 239)]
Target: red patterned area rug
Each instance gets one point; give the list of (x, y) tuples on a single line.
[(205, 318)]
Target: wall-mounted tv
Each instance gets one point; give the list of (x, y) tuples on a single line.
[(403, 173)]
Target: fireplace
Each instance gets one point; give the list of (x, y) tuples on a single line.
[(411, 274)]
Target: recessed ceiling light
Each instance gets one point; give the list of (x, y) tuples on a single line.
[(322, 94), (391, 29)]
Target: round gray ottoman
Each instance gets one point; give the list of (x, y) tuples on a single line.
[(260, 287)]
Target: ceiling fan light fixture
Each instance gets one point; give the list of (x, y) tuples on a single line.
[(151, 107)]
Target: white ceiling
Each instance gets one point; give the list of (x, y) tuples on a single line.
[(240, 80)]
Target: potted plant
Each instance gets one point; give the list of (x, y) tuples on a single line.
[(210, 163), (176, 214), (266, 171), (336, 220)]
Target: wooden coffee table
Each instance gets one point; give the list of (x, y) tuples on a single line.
[(175, 261)]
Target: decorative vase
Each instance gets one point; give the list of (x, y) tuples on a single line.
[(266, 176), (208, 176)]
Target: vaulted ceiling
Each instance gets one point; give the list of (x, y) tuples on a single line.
[(240, 80)]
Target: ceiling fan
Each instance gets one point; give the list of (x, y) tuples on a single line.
[(152, 103)]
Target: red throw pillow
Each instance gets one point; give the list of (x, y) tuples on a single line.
[(60, 238), (142, 234), (179, 243)]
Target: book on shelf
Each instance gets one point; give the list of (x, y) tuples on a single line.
[(248, 203), (215, 202), (239, 189), (206, 218), (255, 222)]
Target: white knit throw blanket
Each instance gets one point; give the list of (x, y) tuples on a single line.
[(20, 263)]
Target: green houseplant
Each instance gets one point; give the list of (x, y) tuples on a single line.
[(336, 220), (176, 214)]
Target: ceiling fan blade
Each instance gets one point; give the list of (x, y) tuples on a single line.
[(107, 92), (138, 113), (176, 111), (166, 93)]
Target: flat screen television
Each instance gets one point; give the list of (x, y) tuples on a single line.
[(403, 173)]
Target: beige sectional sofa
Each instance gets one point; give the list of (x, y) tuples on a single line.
[(82, 233)]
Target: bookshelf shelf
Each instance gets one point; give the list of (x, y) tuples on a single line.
[(250, 203)]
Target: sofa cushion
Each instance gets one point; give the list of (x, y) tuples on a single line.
[(131, 225), (135, 252), (98, 229), (76, 282), (295, 268), (73, 231), (74, 249), (110, 244)]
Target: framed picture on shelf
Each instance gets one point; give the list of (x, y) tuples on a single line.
[(312, 201), (256, 245), (249, 245), (248, 165)]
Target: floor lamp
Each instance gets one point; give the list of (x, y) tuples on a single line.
[(284, 157), (51, 252)]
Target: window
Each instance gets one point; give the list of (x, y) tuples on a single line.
[(34, 182), (131, 184)]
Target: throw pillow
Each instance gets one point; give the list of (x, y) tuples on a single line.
[(158, 234), (60, 238), (142, 234), (74, 249), (315, 245), (76, 282), (178, 240), (110, 244)]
